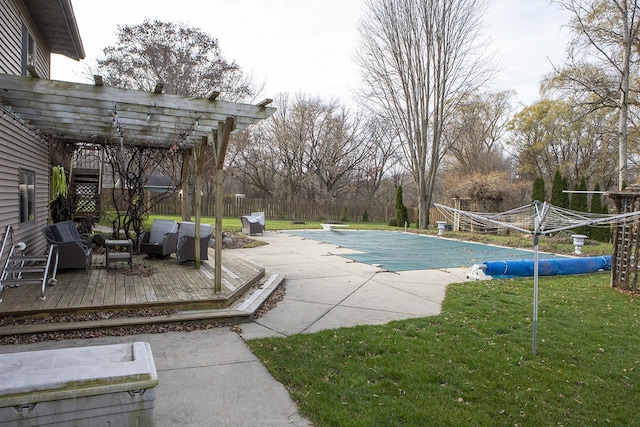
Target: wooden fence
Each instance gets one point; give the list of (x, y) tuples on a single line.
[(293, 210)]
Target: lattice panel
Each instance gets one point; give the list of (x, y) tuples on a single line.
[(86, 197), (626, 242)]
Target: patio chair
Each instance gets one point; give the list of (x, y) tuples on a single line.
[(186, 241), (73, 250), (261, 219), (251, 225), (161, 240)]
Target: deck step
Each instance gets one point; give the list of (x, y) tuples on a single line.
[(259, 296), (26, 269), (29, 258), (18, 282)]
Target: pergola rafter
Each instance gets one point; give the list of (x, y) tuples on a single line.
[(91, 113)]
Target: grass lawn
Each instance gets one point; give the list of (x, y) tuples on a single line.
[(234, 224), (562, 244), (472, 364)]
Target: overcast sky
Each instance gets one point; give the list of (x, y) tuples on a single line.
[(307, 45)]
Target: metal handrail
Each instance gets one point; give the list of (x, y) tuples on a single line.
[(53, 249), (8, 233)]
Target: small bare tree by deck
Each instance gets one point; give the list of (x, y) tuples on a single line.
[(602, 64), (131, 169), (418, 59)]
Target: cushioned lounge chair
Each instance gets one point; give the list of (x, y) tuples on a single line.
[(161, 240), (186, 241), (261, 219), (251, 225), (73, 250)]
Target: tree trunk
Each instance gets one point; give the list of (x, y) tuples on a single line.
[(624, 101)]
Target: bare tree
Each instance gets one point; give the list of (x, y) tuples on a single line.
[(254, 163), (185, 60), (319, 146), (382, 156), (473, 137), (131, 169), (601, 60), (418, 59)]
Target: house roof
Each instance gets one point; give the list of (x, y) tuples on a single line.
[(75, 112), (57, 24)]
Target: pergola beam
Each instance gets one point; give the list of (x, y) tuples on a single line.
[(86, 112)]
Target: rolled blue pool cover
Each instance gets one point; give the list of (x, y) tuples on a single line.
[(547, 267)]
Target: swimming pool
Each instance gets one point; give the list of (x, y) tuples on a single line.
[(398, 251)]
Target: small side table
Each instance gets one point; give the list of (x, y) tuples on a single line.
[(115, 256)]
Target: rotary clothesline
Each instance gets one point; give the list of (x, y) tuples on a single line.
[(536, 219), (551, 219)]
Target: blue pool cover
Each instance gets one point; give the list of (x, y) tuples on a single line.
[(547, 267), (397, 251)]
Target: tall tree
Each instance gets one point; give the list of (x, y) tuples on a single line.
[(601, 233), (602, 59), (253, 162), (557, 197), (574, 205), (402, 214), (320, 146), (475, 131), (583, 205), (418, 60), (538, 193), (554, 134), (185, 60), (566, 202), (581, 202)]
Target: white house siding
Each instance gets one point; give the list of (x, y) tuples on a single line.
[(21, 148), (12, 15)]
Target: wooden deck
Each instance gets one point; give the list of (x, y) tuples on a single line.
[(171, 286)]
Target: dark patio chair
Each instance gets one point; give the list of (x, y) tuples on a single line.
[(73, 250), (186, 241), (161, 240)]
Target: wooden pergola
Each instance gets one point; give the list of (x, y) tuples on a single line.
[(75, 112)]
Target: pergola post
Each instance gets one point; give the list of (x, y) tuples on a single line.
[(185, 205), (220, 142), (198, 152)]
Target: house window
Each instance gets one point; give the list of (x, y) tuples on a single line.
[(27, 180), (28, 50)]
